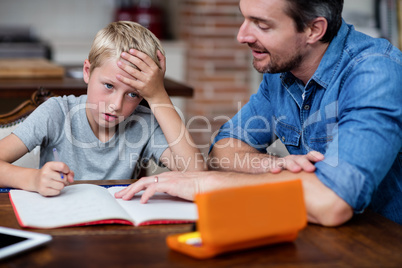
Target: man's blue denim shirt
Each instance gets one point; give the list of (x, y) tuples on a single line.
[(350, 110)]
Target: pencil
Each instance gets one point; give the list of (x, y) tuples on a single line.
[(57, 158)]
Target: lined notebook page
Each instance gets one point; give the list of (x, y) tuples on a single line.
[(76, 204), (161, 206)]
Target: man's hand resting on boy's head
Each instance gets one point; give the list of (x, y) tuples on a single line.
[(48, 181)]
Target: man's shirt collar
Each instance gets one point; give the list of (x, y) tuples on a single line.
[(329, 63)]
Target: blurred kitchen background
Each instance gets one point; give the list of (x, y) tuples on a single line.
[(199, 37)]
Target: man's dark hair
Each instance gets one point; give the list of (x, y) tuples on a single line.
[(303, 12)]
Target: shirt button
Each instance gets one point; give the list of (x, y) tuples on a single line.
[(283, 138), (306, 107)]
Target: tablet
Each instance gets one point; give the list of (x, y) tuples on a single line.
[(13, 241)]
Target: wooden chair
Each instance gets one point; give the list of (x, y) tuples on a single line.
[(10, 120), (18, 114)]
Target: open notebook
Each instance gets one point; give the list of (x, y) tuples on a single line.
[(87, 204)]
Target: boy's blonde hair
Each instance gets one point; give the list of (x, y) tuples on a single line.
[(121, 36)]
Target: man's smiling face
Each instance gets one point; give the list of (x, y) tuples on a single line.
[(271, 35)]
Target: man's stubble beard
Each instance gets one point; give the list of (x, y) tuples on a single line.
[(275, 66)]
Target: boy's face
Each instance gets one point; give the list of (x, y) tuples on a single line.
[(109, 101)]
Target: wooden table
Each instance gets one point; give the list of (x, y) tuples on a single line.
[(23, 88), (368, 240)]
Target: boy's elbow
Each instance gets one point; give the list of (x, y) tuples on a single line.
[(198, 165)]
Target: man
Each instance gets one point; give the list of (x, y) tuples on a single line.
[(331, 94)]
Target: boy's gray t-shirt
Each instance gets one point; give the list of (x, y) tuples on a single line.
[(61, 123)]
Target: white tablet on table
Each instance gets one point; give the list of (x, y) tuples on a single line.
[(13, 241)]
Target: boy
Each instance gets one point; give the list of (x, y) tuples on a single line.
[(104, 134)]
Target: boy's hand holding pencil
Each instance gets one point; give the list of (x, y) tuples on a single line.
[(53, 177)]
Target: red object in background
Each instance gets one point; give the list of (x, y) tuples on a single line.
[(124, 14), (124, 10), (149, 16), (145, 13)]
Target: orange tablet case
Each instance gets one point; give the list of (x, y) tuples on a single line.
[(239, 218)]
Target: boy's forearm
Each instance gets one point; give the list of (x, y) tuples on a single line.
[(185, 155), (12, 176), (234, 155)]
